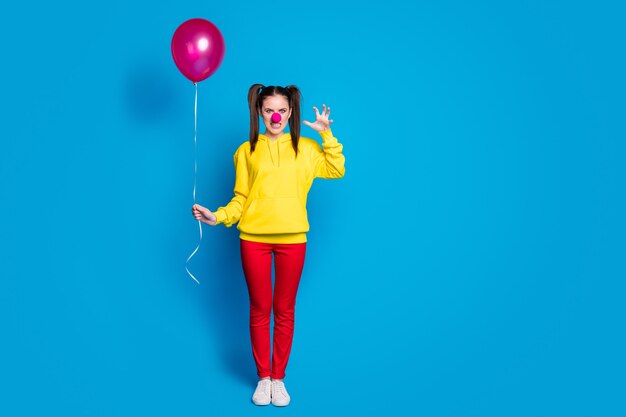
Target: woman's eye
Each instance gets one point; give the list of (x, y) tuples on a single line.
[(283, 111)]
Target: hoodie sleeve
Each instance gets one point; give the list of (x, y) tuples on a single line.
[(329, 162), (231, 213)]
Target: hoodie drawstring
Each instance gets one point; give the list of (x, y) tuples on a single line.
[(270, 150)]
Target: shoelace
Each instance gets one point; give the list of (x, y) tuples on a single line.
[(266, 386), (281, 388)]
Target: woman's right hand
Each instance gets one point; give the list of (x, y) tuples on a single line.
[(203, 214)]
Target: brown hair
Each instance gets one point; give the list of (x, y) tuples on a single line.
[(255, 102)]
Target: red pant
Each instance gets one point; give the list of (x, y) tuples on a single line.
[(256, 259)]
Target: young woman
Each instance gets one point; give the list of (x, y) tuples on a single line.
[(274, 172)]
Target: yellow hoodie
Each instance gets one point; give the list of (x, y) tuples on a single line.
[(271, 186)]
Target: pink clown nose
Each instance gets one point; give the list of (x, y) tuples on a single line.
[(276, 118)]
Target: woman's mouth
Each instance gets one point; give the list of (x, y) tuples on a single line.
[(275, 125)]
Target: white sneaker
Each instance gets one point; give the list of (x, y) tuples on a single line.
[(262, 393), (280, 396)]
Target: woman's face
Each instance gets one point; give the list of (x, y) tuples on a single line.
[(275, 104)]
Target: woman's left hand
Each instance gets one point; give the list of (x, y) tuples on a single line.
[(321, 120)]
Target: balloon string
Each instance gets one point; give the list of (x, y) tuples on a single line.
[(195, 171)]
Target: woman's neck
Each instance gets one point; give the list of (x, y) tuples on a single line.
[(272, 136)]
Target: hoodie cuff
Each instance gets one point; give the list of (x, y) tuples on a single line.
[(220, 216), (326, 134)]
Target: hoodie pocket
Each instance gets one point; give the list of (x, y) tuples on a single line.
[(275, 215)]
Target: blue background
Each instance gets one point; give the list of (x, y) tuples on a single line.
[(470, 263)]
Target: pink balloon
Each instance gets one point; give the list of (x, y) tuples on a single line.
[(197, 49)]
